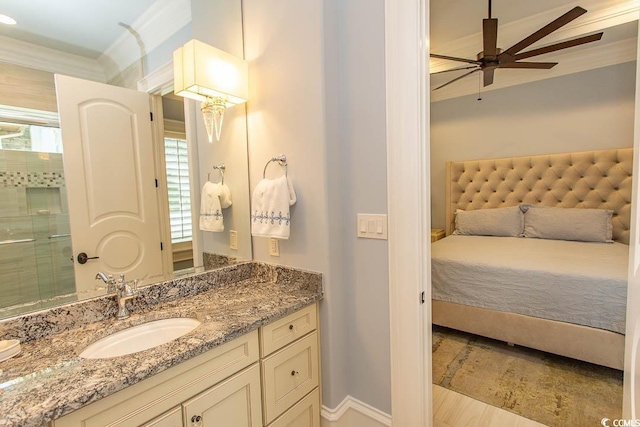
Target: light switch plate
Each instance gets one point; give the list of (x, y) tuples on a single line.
[(233, 239), (372, 226)]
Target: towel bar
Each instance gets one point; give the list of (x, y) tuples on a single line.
[(221, 167), (281, 159)]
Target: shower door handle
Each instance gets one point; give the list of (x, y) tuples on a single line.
[(83, 258)]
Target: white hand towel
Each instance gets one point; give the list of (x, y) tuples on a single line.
[(270, 208), (215, 197)]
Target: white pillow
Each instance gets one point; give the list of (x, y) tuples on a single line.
[(503, 222), (584, 225)]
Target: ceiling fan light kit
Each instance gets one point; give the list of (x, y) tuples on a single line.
[(492, 57)]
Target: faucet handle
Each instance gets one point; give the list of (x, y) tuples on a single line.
[(121, 280)]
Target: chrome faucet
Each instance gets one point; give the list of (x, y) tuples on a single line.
[(108, 279), (124, 291)]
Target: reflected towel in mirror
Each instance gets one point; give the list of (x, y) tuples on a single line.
[(215, 197), (270, 215)]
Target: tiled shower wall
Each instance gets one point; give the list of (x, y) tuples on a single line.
[(33, 205)]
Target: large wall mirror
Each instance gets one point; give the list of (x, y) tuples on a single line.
[(119, 46)]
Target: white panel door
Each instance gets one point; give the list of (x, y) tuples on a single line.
[(110, 178), (631, 401)]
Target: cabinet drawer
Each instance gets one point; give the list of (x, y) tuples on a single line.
[(305, 413), (173, 418), (234, 402), (278, 334), (148, 399), (289, 375)]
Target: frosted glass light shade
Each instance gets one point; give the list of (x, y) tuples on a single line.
[(202, 71), (213, 114)]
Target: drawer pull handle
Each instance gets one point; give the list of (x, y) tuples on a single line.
[(195, 420), (294, 373), (291, 327)]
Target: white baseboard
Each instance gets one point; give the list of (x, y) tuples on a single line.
[(351, 412)]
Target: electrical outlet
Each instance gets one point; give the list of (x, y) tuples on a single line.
[(274, 247), (233, 239)]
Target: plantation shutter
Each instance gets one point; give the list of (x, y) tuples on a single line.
[(178, 189)]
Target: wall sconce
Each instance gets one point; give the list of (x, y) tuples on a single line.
[(212, 76)]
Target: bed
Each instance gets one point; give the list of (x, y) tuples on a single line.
[(559, 296)]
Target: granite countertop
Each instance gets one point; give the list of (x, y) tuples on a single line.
[(48, 379)]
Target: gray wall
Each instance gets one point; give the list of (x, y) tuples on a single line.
[(286, 115), (578, 112), (360, 154)]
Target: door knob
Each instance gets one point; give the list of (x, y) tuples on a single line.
[(83, 258)]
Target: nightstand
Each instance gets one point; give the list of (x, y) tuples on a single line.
[(436, 234)]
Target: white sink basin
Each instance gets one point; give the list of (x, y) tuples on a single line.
[(140, 337)]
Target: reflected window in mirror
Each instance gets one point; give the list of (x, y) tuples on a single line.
[(178, 193)]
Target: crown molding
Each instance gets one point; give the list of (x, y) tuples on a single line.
[(162, 20), (30, 55), (159, 82), (590, 58), (612, 14)]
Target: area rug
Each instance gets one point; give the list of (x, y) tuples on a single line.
[(550, 389)]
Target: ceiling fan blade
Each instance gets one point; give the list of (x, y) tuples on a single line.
[(545, 31), (558, 46), (490, 38), (530, 65), (457, 78), (453, 58), (488, 76), (454, 69)]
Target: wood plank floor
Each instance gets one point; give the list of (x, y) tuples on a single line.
[(451, 409)]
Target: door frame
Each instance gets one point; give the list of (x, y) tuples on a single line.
[(409, 201), (157, 83), (632, 326)]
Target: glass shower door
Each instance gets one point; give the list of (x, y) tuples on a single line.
[(35, 243)]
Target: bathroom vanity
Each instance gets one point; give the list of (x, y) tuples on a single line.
[(254, 360)]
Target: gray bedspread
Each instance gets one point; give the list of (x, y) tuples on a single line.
[(575, 282)]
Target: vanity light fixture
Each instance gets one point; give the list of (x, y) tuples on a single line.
[(210, 75), (5, 19)]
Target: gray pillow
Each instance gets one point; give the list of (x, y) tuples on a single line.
[(503, 222), (585, 225)]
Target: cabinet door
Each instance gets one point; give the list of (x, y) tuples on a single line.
[(235, 402), (305, 413), (172, 418), (146, 400)]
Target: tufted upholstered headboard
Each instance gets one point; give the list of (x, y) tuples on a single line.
[(590, 179)]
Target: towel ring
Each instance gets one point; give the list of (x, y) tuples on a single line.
[(221, 167), (281, 159)]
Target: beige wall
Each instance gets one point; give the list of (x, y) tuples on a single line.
[(317, 94), (27, 88), (584, 111)]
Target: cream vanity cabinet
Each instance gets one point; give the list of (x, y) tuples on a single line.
[(290, 370), (268, 377)]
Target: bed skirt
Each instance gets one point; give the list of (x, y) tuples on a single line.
[(592, 345)]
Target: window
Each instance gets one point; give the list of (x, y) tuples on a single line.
[(25, 137), (178, 188)]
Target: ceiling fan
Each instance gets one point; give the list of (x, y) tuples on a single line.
[(492, 57)]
